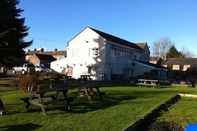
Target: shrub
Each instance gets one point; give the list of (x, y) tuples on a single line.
[(165, 126), (28, 82)]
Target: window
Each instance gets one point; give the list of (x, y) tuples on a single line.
[(117, 52), (186, 67), (175, 67), (163, 65), (89, 70), (95, 52)]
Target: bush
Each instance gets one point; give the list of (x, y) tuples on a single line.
[(27, 81), (165, 126)]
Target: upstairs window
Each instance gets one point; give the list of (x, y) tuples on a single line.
[(95, 52)]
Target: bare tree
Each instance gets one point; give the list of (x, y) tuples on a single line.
[(161, 47)]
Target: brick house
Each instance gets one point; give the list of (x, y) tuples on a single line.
[(180, 64), (182, 69), (39, 59)]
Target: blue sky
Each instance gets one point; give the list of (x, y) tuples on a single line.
[(53, 22)]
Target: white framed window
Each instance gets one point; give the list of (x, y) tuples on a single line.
[(186, 67), (175, 67), (94, 52)]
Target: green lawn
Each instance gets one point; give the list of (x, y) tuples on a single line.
[(183, 113), (121, 107)]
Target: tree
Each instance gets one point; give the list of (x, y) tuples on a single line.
[(161, 47), (12, 33), (174, 53)]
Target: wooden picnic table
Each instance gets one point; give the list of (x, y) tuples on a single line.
[(38, 97), (38, 89), (90, 90), (147, 82)]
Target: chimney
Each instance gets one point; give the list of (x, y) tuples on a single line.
[(55, 50), (42, 50)]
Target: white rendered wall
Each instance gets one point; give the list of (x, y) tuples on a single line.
[(80, 54), (80, 57)]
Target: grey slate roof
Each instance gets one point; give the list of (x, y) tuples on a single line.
[(142, 45), (181, 61), (115, 39), (45, 57), (153, 65)]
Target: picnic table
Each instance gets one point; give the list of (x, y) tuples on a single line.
[(147, 82), (90, 90), (39, 90), (37, 94)]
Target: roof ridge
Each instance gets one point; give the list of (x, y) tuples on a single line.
[(116, 39), (110, 34)]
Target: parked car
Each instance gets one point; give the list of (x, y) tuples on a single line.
[(39, 69), (23, 69)]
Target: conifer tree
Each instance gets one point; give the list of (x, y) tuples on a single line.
[(12, 33), (174, 53)]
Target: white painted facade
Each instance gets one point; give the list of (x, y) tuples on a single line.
[(89, 53)]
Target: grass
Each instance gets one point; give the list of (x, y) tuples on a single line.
[(120, 107), (183, 113)]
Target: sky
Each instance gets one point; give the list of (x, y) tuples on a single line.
[(54, 22)]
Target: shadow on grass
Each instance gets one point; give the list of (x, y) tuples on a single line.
[(20, 127), (107, 101), (111, 98), (81, 105)]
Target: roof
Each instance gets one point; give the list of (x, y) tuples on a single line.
[(181, 61), (153, 58), (142, 45), (153, 65), (45, 57), (55, 52), (47, 52), (115, 39)]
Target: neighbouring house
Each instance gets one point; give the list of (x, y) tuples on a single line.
[(181, 69), (39, 59), (180, 64), (58, 54), (103, 56)]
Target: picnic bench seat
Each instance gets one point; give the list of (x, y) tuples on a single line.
[(41, 100), (148, 82), (90, 90), (45, 101)]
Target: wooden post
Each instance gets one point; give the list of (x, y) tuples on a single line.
[(2, 108)]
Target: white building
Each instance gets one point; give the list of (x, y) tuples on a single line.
[(103, 57)]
